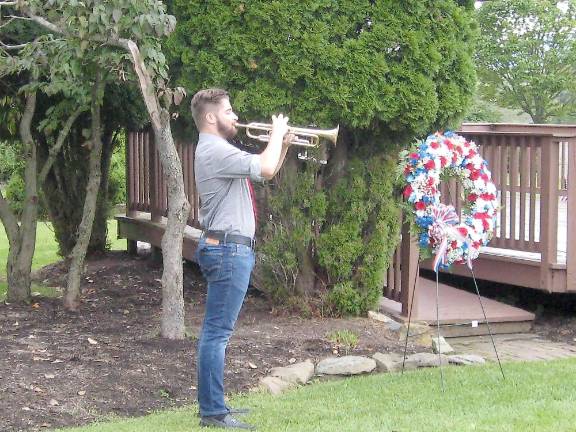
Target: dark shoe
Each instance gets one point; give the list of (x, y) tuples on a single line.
[(224, 422), (234, 411), (238, 410)]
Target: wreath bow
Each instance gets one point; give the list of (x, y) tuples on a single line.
[(443, 228)]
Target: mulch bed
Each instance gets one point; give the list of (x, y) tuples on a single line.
[(61, 369)]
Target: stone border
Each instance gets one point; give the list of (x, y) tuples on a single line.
[(284, 378)]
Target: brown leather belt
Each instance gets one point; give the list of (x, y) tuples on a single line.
[(224, 238)]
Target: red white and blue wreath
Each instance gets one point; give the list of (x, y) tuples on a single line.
[(440, 230)]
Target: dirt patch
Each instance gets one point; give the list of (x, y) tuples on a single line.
[(60, 369)]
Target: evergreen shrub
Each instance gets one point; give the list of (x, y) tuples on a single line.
[(386, 71), (9, 160)]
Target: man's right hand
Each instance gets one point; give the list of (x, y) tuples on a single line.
[(279, 125), (271, 158)]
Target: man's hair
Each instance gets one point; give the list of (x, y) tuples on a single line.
[(202, 101)]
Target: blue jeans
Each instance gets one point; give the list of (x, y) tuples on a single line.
[(227, 268)]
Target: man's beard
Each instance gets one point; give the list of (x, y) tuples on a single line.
[(227, 131)]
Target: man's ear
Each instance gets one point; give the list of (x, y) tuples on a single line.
[(210, 117)]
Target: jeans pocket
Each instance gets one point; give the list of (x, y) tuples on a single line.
[(210, 261)]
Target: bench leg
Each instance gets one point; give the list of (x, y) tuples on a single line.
[(156, 255), (132, 247)]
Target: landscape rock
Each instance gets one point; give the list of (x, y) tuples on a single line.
[(466, 359), (389, 323), (347, 365), (388, 362), (377, 316), (298, 373), (439, 345), (420, 360), (274, 385), (393, 326), (420, 334)]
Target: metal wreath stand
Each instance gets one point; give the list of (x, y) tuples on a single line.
[(447, 216)]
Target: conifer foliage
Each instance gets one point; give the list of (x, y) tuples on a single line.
[(385, 71)]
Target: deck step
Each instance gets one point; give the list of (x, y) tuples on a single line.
[(460, 312)]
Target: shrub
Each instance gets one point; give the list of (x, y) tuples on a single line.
[(10, 161), (15, 194), (117, 178), (387, 72), (343, 339)]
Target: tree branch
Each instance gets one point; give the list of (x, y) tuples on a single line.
[(7, 22), (9, 220), (13, 47), (146, 85), (26, 121), (54, 150), (46, 24)]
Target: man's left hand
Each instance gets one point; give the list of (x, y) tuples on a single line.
[(288, 138)]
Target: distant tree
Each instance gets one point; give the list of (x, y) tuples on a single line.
[(527, 56), (482, 112)]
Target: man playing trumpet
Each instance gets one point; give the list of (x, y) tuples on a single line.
[(225, 252)]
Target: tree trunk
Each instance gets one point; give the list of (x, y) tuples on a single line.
[(22, 237), (338, 159), (306, 280), (172, 326), (99, 237), (72, 296)]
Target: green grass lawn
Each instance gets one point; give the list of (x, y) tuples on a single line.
[(46, 249), (536, 396)]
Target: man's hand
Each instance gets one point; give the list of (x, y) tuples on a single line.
[(288, 138), (279, 125), (273, 155)]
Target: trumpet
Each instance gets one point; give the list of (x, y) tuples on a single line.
[(304, 137)]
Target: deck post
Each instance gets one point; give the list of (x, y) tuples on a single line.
[(410, 255), (571, 214), (130, 211), (155, 212), (548, 210)]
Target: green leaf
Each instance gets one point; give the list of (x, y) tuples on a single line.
[(116, 15)]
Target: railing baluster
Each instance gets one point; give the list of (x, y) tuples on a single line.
[(571, 213), (146, 172), (503, 190), (524, 172), (534, 148), (513, 147), (130, 174), (409, 257)]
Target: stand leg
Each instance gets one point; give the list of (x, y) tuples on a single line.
[(438, 327), (410, 318), (487, 323)]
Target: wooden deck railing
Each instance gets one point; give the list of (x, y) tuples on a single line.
[(145, 184), (533, 168)]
